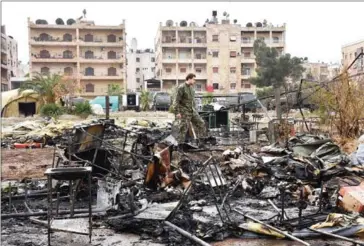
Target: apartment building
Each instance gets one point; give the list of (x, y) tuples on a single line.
[(141, 66), (93, 56), (318, 71), (219, 53), (349, 53), (9, 59)]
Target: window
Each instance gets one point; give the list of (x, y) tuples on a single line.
[(215, 86), (246, 40), (245, 84), (198, 87), (275, 40), (68, 71), (246, 71), (137, 70), (111, 38), (168, 70), (198, 70), (89, 38), (111, 71), (44, 54), (232, 69), (89, 54), (138, 80), (247, 54), (261, 38), (44, 70), (198, 56), (44, 37), (67, 37), (233, 38), (67, 54), (111, 55), (232, 86), (183, 69), (152, 59), (89, 71), (232, 53), (137, 59), (215, 38), (215, 54), (152, 69), (90, 87), (215, 69)]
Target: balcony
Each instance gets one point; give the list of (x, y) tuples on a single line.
[(200, 59), (185, 59), (245, 75), (247, 42), (53, 58), (169, 76), (101, 59), (51, 41), (102, 76), (100, 41), (248, 59), (3, 49), (4, 64), (169, 59)]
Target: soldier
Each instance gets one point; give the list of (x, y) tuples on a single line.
[(185, 110)]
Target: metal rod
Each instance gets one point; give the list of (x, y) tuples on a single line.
[(72, 199), (57, 229), (57, 204), (61, 212), (107, 107), (10, 204), (26, 191), (90, 205), (282, 201), (186, 234), (28, 208), (28, 196), (49, 210), (337, 236), (273, 228), (277, 209)]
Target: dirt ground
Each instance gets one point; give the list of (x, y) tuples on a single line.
[(25, 163)]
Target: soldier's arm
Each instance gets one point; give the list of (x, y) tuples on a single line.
[(176, 102)]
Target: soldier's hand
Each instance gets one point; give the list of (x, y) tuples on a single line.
[(179, 116)]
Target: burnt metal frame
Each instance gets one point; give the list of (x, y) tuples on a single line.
[(63, 176), (223, 199)]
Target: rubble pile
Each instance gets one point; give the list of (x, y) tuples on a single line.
[(146, 184)]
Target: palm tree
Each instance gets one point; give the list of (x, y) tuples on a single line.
[(46, 86), (115, 90), (144, 100)]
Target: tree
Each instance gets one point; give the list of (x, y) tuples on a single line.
[(274, 69), (50, 87), (144, 100), (207, 98), (114, 90)]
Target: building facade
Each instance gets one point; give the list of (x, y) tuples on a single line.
[(141, 66), (93, 56), (318, 71), (219, 53), (349, 53), (9, 59)]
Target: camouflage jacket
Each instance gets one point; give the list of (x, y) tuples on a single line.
[(184, 101)]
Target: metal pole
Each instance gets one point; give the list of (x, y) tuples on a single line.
[(90, 206), (276, 208), (57, 204), (273, 228), (49, 212), (10, 204), (61, 212), (186, 234), (107, 107), (337, 236)]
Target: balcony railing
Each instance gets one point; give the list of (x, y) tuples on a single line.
[(98, 39), (52, 39), (100, 57), (38, 56), (101, 74), (200, 57)]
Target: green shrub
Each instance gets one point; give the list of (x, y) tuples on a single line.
[(51, 110), (83, 109)]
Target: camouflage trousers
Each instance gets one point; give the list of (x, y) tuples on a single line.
[(181, 127)]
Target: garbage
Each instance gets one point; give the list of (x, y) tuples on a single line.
[(352, 198)]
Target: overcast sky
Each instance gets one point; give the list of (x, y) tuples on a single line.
[(315, 30)]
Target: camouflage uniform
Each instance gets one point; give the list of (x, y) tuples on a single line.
[(184, 104)]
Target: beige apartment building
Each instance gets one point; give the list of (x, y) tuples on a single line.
[(9, 59), (349, 53), (93, 56), (219, 53), (318, 71)]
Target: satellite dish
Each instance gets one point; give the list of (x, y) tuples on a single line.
[(224, 14), (249, 24), (258, 24), (169, 23), (235, 21), (183, 23), (193, 24), (71, 22)]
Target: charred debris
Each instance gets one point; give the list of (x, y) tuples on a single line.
[(141, 182)]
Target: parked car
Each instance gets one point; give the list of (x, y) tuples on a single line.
[(161, 101)]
